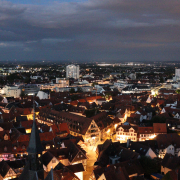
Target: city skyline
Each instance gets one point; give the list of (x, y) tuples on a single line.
[(88, 30)]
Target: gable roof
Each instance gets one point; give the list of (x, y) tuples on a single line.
[(46, 158), (164, 140), (171, 162), (4, 168), (50, 176), (171, 175)]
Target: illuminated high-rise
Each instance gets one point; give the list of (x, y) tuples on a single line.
[(72, 71)]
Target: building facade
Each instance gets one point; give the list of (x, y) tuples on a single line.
[(11, 91), (72, 71)]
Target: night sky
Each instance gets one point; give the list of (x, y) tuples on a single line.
[(90, 30)]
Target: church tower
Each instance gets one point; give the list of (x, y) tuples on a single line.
[(35, 148), (34, 168)]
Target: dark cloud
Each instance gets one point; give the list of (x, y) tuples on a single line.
[(91, 30)]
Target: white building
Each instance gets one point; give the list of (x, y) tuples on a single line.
[(14, 91), (63, 82), (121, 84), (177, 75), (132, 76), (72, 71), (42, 95)]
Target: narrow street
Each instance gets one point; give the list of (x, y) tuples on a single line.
[(90, 162)]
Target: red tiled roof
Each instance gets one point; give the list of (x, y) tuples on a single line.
[(23, 138), (145, 130), (24, 111), (46, 136), (159, 127), (28, 124), (63, 127), (75, 122)]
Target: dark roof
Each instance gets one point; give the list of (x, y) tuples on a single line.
[(6, 125), (50, 175), (15, 104), (164, 140), (21, 118), (46, 158), (30, 175), (4, 168), (171, 162), (16, 164), (139, 148), (76, 168), (171, 175), (113, 149), (129, 167)]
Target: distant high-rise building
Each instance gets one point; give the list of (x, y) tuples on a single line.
[(177, 74), (72, 71)]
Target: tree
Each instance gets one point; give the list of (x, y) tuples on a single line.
[(22, 95), (150, 165), (161, 80), (90, 113), (178, 91), (79, 90), (158, 119), (72, 90), (94, 83), (74, 97)]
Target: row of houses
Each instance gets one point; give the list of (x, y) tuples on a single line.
[(126, 131)]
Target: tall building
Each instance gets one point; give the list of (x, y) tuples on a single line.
[(177, 74), (72, 71)]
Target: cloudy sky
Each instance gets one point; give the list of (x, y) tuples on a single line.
[(90, 30)]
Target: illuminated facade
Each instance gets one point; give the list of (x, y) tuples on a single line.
[(135, 133), (125, 132), (72, 71)]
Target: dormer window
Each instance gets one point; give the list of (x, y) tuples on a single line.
[(23, 147), (5, 148), (15, 147), (54, 161), (5, 137)]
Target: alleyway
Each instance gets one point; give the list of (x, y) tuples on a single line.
[(90, 162)]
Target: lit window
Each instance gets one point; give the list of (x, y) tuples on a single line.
[(47, 147)]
